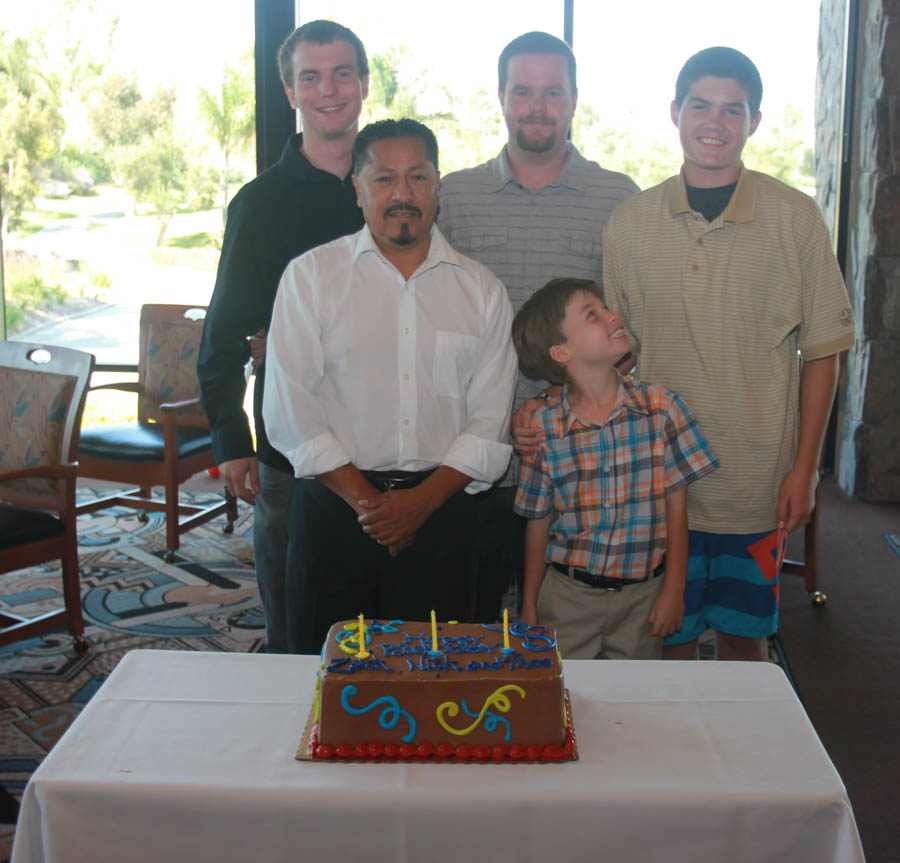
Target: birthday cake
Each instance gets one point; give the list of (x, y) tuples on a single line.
[(449, 692)]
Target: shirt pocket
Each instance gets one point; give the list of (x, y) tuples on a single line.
[(582, 244), (473, 241), (455, 356)]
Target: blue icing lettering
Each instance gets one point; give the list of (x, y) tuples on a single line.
[(372, 663), (514, 661), (403, 649), (432, 663)]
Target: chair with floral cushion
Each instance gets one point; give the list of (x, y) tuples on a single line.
[(170, 442), (42, 392)]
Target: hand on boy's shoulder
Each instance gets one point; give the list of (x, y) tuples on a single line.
[(528, 435)]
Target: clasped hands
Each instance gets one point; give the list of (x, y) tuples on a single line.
[(393, 517)]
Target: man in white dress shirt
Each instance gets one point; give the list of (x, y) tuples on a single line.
[(389, 388)]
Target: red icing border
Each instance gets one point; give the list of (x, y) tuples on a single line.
[(447, 752)]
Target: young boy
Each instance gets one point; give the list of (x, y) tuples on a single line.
[(722, 277), (605, 492)]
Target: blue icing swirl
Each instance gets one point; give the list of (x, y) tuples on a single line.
[(389, 716), (490, 720)]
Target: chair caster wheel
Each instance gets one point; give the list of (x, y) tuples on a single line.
[(81, 646), (143, 518), (228, 527), (169, 557), (818, 598)]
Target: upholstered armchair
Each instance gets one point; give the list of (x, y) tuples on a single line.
[(170, 441), (42, 392)]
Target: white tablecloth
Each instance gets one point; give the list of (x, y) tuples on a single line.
[(190, 757)]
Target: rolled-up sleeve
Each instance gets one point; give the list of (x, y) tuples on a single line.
[(296, 422), (482, 451)]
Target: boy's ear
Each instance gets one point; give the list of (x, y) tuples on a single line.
[(560, 354), (674, 112)]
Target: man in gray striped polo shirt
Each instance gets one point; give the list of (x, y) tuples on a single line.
[(533, 213)]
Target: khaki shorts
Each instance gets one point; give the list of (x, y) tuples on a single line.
[(593, 623)]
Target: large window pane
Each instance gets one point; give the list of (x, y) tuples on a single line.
[(135, 111), (92, 233), (445, 62), (629, 55)]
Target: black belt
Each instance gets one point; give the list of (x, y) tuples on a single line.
[(385, 480), (602, 581)]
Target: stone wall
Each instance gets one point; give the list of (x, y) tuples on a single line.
[(868, 455)]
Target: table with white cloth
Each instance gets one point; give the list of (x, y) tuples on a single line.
[(185, 756)]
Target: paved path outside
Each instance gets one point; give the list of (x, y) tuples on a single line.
[(110, 239)]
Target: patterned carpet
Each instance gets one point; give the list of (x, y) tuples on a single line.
[(206, 600)]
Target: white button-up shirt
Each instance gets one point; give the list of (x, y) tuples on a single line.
[(368, 368)]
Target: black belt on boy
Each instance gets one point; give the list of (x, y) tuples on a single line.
[(604, 582), (385, 480)]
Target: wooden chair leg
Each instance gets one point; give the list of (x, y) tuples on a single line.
[(71, 579), (170, 469), (810, 557), (808, 567), (172, 538)]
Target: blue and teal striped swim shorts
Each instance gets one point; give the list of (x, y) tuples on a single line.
[(732, 585)]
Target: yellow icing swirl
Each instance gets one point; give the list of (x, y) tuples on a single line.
[(348, 643), (318, 692), (495, 699)]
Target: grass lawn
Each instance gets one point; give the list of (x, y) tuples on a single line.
[(34, 220), (95, 258)]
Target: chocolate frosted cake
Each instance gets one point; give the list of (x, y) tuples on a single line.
[(455, 692)]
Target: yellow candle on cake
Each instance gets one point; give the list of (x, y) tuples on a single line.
[(363, 653), (505, 629), (434, 644)]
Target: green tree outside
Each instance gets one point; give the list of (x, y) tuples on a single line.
[(31, 126), (230, 117), (148, 155)]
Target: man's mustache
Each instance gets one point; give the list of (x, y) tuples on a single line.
[(403, 209), (538, 118)]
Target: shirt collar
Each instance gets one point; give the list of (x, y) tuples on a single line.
[(574, 175), (741, 207), (630, 397), (298, 167), (439, 250)]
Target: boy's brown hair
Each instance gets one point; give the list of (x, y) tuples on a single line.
[(538, 326)]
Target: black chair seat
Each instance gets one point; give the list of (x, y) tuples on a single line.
[(19, 526), (140, 442)]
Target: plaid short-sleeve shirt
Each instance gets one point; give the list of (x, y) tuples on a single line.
[(607, 485)]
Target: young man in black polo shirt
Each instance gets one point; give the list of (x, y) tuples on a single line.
[(306, 199)]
